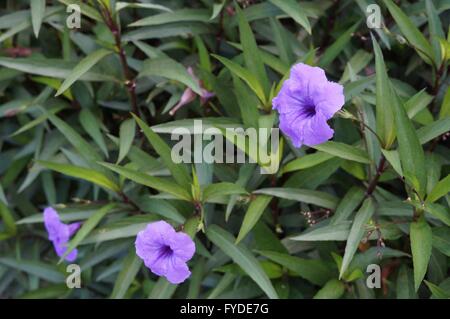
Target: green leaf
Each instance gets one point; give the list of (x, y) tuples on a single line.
[(333, 289), (201, 15), (163, 289), (437, 291), (410, 31), (410, 150), (124, 5), (84, 148), (356, 233), (433, 130), (306, 161), (150, 181), (82, 67), (241, 256), (441, 239), (127, 130), (245, 75), (302, 195), (436, 31), (344, 151), (37, 15), (325, 233), (348, 204), (131, 265), (333, 50), (53, 291), (445, 106), (436, 210), (55, 68), (295, 11), (92, 126), (178, 171), (252, 58), (222, 189), (8, 222), (421, 242), (170, 69), (405, 283), (87, 227), (253, 214), (384, 115), (313, 270), (39, 269), (442, 188), (87, 174)]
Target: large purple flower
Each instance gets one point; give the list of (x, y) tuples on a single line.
[(305, 102), (60, 233), (165, 251)]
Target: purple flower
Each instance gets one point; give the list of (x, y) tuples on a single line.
[(189, 95), (165, 251), (59, 233), (305, 102)]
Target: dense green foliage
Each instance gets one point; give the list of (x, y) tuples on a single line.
[(84, 123)]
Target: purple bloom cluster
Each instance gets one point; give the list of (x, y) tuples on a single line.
[(305, 102), (165, 251), (60, 233)]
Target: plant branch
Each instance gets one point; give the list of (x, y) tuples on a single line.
[(374, 181), (130, 81)]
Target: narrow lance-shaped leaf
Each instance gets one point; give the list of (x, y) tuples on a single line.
[(85, 65), (410, 150), (356, 233), (170, 69), (384, 115), (253, 214), (178, 171), (295, 11), (410, 31), (252, 57), (83, 173), (92, 126), (241, 256), (150, 181), (131, 265), (302, 195), (344, 151), (37, 15), (333, 50), (127, 130), (442, 188), (245, 75), (421, 244), (8, 221), (87, 227)]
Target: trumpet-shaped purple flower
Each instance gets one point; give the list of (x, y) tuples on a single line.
[(165, 251), (60, 233), (305, 102)]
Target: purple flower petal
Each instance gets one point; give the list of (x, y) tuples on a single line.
[(60, 233), (165, 251), (177, 271), (305, 102)]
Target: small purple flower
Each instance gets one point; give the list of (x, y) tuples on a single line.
[(60, 233), (165, 251), (305, 102), (189, 95)]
